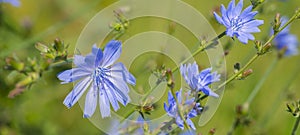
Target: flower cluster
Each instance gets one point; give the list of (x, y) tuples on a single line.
[(239, 24), (107, 83), (286, 41), (197, 82)]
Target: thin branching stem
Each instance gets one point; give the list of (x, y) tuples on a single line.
[(296, 125)]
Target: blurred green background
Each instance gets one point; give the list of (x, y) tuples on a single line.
[(39, 110)]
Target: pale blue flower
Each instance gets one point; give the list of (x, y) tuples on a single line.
[(199, 81), (107, 82), (285, 40), (15, 3), (238, 23), (172, 110)]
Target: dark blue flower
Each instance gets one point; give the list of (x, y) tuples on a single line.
[(107, 83), (199, 81), (15, 3), (172, 110), (286, 41), (239, 24)]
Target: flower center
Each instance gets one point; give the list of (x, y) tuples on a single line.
[(236, 23), (100, 74)]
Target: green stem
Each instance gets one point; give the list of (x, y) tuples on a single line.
[(234, 126), (178, 109), (60, 63), (239, 72), (262, 81), (202, 48), (296, 126)]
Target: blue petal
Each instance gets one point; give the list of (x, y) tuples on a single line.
[(166, 107), (243, 39), (249, 17), (77, 92), (230, 9), (170, 97), (104, 103), (183, 71), (254, 23), (91, 102), (120, 95), (250, 30), (99, 56), (178, 95), (224, 16), (205, 72), (192, 113), (238, 8), (72, 75), (122, 73), (191, 124), (111, 53), (246, 11), (206, 90), (15, 3), (110, 91), (218, 18), (192, 70), (179, 122)]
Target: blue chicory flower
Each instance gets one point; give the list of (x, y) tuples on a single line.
[(107, 82), (199, 81), (285, 40), (239, 24), (15, 3), (172, 110)]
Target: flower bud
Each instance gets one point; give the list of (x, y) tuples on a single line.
[(14, 64), (277, 23), (294, 108), (41, 47)]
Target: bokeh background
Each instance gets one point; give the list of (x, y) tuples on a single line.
[(39, 110)]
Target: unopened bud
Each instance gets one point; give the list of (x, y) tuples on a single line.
[(242, 109), (258, 46), (247, 73), (41, 47), (58, 45), (298, 13), (266, 48), (277, 23), (294, 108), (170, 80), (14, 64), (237, 67)]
